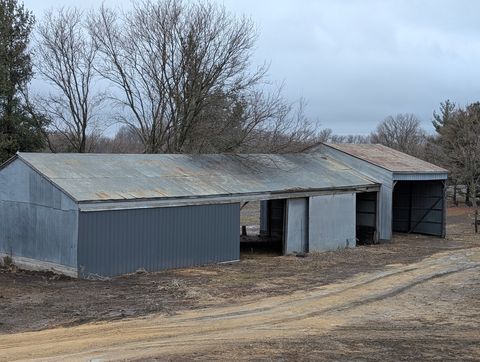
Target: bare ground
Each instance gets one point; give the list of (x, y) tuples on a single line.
[(417, 297)]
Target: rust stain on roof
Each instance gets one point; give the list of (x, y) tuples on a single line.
[(90, 177), (103, 195)]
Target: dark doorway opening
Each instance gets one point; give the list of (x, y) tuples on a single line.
[(419, 207), (268, 238), (366, 218)]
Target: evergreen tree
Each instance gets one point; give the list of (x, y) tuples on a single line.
[(458, 137), (20, 130), (446, 114)]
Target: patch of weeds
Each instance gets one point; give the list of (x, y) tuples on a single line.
[(7, 261), (175, 286), (179, 289)]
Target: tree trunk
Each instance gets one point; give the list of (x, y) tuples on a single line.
[(83, 147), (473, 189)]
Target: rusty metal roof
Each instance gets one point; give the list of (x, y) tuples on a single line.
[(98, 177), (388, 158)]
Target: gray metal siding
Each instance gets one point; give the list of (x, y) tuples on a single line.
[(264, 227), (388, 216), (123, 241), (332, 222), (384, 212), (37, 221), (420, 176), (296, 231)]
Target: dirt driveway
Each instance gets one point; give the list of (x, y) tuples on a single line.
[(423, 295), (417, 298)]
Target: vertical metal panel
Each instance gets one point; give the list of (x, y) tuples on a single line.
[(122, 241), (418, 207), (331, 222), (384, 213), (264, 227), (37, 221), (296, 230)]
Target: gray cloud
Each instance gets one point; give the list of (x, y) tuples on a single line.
[(355, 62)]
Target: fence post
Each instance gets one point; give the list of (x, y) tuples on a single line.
[(244, 230), (476, 221)]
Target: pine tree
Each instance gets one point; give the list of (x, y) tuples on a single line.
[(19, 129), (458, 137)]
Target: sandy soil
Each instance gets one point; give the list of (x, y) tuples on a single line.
[(415, 298), (421, 295)]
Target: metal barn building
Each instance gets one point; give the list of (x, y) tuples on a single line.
[(412, 193), (90, 215)]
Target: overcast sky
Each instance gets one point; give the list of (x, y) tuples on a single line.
[(356, 62)]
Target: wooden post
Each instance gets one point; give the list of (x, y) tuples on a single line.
[(476, 221), (244, 230)]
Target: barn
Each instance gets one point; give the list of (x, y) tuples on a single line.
[(412, 193), (101, 215)]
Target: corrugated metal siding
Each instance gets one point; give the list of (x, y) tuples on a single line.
[(331, 222), (418, 206), (296, 230), (37, 221), (123, 241), (264, 227), (420, 176), (384, 213)]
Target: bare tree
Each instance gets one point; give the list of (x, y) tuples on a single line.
[(402, 132), (169, 61), (65, 59), (126, 140), (287, 129), (351, 138)]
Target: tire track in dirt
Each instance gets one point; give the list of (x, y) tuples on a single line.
[(260, 310), (310, 312)]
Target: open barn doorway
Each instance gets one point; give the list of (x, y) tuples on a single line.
[(419, 207), (366, 218), (262, 227)]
